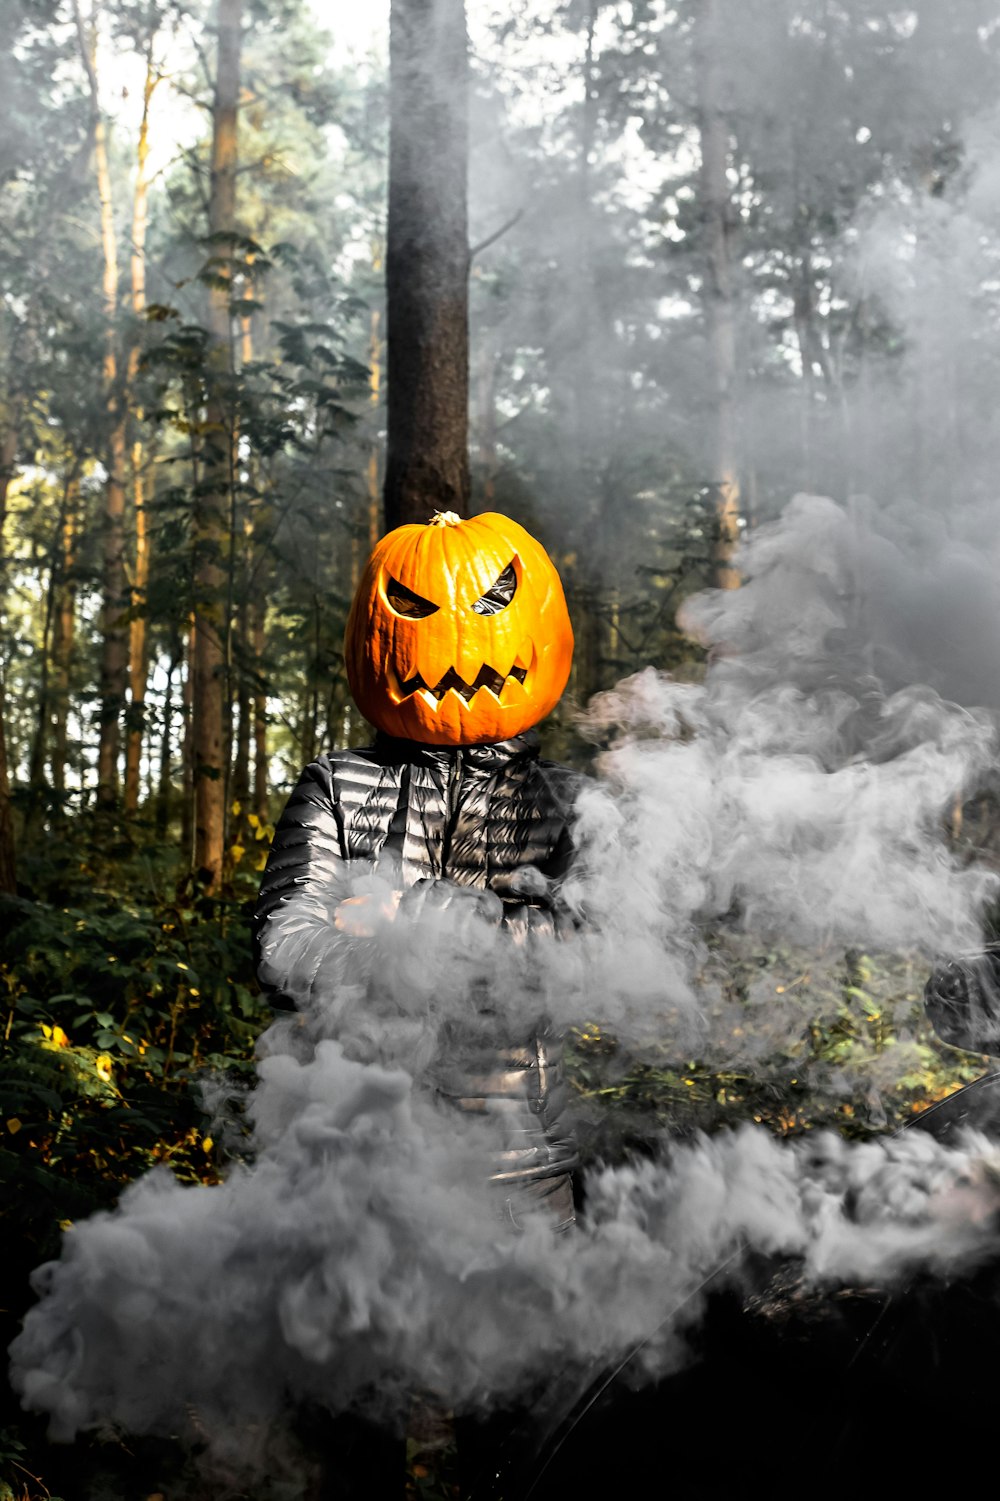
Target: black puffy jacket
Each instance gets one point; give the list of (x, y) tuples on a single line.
[(963, 1002), (471, 816)]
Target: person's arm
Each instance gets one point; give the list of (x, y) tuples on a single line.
[(962, 999), (304, 882)]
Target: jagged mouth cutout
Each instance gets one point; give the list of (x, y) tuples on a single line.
[(452, 682)]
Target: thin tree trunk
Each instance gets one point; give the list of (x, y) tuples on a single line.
[(187, 748), (164, 785), (8, 854), (375, 358), (51, 630), (241, 758), (8, 851), (114, 632), (138, 636), (64, 639), (213, 499), (138, 632), (427, 262), (240, 780), (260, 759), (718, 294)]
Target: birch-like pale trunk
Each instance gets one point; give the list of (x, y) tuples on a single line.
[(114, 663), (138, 632)]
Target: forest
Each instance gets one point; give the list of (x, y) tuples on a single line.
[(277, 276)]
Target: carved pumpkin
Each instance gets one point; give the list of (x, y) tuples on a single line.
[(459, 633)]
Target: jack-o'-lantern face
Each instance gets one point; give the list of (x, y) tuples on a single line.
[(459, 633)]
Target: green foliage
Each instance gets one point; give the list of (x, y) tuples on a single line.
[(114, 1009), (792, 1039)]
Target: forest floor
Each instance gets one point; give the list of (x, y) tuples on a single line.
[(122, 991)]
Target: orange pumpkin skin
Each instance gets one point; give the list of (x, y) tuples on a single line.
[(398, 667)]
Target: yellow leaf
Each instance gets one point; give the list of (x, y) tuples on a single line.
[(260, 861), (102, 1064), (253, 820), (192, 991), (237, 852), (180, 965), (59, 1037), (13, 1125), (237, 807), (65, 1224), (207, 1144), (46, 1030)]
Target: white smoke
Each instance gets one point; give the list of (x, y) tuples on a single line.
[(362, 1256), (358, 1261)]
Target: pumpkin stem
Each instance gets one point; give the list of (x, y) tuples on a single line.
[(445, 518)]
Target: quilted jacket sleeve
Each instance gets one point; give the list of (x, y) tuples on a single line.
[(304, 881), (963, 1002)]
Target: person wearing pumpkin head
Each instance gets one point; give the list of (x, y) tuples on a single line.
[(458, 643)]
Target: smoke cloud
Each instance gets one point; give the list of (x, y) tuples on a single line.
[(361, 1256), (357, 1260)]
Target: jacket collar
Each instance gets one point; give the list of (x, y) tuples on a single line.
[(490, 758)]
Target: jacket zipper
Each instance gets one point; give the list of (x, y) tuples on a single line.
[(451, 792)]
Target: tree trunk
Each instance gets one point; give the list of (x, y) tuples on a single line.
[(138, 633), (427, 262), (164, 783), (187, 748), (375, 354), (241, 759), (718, 294), (213, 499), (8, 858), (50, 692), (114, 600), (259, 707), (243, 677), (64, 638), (138, 637), (8, 852)]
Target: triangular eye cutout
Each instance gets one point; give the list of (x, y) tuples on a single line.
[(405, 602), (499, 596)]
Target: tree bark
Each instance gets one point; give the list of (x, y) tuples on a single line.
[(164, 782), (718, 293), (260, 759), (138, 633), (8, 850), (427, 262), (114, 596), (187, 747), (375, 356), (52, 691), (213, 498), (240, 785), (138, 637), (64, 639)]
